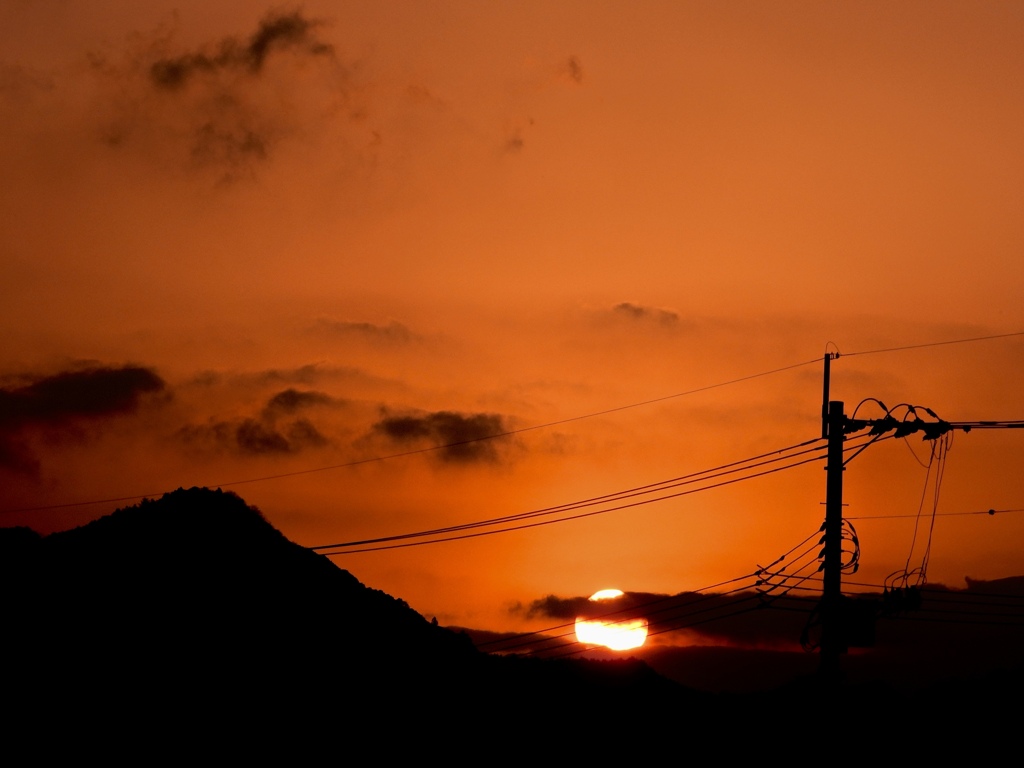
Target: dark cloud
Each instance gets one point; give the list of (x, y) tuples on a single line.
[(570, 608), (514, 142), (64, 400), (227, 106), (639, 312), (276, 32), (305, 374), (264, 434), (291, 400), (465, 437), (303, 434), (553, 607), (392, 332), (254, 436), (300, 378), (88, 393), (515, 138), (574, 69), (738, 619)]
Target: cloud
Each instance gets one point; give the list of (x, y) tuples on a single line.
[(553, 607), (256, 437), (641, 313), (737, 619), (276, 32), (229, 104), (573, 69), (465, 437), (253, 436), (305, 374), (308, 375), (264, 434), (392, 332), (64, 400), (515, 136), (94, 392), (291, 400), (514, 141)]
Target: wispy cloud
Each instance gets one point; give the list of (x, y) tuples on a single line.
[(641, 313), (229, 104), (390, 332), (276, 33)]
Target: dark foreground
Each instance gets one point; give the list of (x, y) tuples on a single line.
[(190, 624)]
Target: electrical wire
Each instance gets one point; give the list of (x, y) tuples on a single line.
[(383, 545), (669, 618), (694, 477), (431, 448), (934, 344), (988, 512), (627, 493), (452, 533)]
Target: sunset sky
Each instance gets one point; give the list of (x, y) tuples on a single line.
[(244, 240)]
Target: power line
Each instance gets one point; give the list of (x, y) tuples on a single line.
[(508, 433), (428, 449), (989, 512), (383, 541), (679, 607), (933, 344), (723, 469), (439, 535)]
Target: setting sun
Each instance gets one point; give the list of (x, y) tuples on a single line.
[(617, 634)]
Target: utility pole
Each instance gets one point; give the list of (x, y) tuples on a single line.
[(832, 641), (835, 620)]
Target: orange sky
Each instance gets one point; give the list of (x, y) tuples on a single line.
[(518, 214)]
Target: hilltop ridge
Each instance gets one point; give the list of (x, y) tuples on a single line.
[(195, 597)]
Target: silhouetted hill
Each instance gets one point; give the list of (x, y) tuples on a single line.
[(176, 611), (190, 623)]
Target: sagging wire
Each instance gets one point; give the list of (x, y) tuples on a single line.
[(935, 471), (900, 589), (939, 433)]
